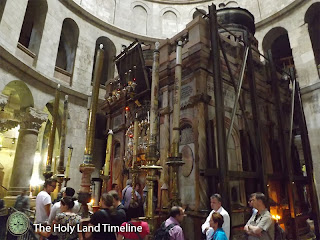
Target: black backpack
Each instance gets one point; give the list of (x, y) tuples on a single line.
[(279, 233), (162, 233)]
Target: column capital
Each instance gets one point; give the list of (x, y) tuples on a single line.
[(32, 118)]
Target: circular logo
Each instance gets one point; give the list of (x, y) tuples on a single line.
[(18, 223)]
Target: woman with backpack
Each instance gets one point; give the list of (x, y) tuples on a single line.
[(134, 214)]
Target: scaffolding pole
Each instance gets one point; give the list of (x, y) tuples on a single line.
[(256, 120), (307, 156), (285, 149), (219, 108)]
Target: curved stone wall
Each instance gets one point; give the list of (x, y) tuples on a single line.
[(152, 18)]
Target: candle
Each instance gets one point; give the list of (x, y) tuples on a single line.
[(56, 159), (108, 153), (148, 117), (135, 140), (69, 160)]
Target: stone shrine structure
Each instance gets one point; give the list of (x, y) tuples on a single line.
[(46, 43)]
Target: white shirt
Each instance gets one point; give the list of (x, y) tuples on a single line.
[(226, 223), (43, 199), (55, 210)]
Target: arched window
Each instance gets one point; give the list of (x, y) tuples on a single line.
[(139, 20), (33, 24), (2, 5), (169, 24), (278, 41), (108, 63), (201, 12), (67, 48), (312, 17)]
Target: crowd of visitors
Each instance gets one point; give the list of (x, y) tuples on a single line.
[(125, 211)]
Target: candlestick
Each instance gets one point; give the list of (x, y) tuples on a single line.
[(69, 160), (135, 140), (108, 153), (56, 159)]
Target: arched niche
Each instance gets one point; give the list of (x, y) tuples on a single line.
[(278, 41), (108, 63), (19, 96), (312, 17), (33, 24), (2, 6), (169, 24), (139, 20), (233, 148), (237, 188), (67, 45)]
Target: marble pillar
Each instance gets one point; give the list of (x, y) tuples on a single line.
[(30, 124), (303, 56), (164, 146), (202, 153)]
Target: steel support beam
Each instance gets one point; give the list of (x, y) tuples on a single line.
[(299, 113), (256, 120), (285, 148), (235, 105), (219, 109)]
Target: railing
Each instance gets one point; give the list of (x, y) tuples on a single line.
[(6, 235)]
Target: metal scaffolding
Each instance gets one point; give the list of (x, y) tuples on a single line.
[(255, 138)]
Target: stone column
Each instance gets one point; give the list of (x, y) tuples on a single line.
[(30, 124), (164, 145), (202, 152), (303, 56)]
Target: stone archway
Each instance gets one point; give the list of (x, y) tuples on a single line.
[(18, 110), (312, 18), (15, 98)]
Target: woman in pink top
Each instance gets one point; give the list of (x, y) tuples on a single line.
[(142, 227)]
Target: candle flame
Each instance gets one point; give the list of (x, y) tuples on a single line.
[(276, 217)]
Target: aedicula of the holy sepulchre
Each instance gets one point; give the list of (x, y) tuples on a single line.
[(207, 110)]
